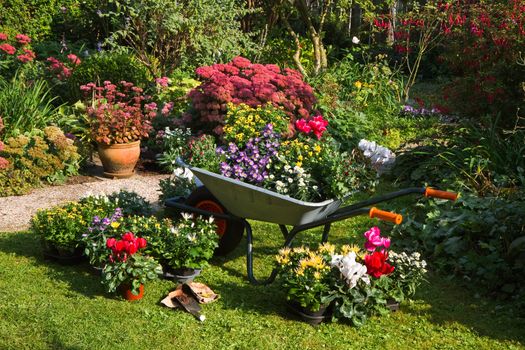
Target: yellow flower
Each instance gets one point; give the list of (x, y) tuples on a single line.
[(327, 248), (358, 84), (299, 164), (317, 148), (317, 275), (115, 224)]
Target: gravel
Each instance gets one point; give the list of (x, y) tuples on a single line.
[(16, 211)]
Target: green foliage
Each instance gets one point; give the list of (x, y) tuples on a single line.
[(25, 106), (137, 269), (46, 156), (486, 160), (473, 238), (131, 203), (175, 186), (114, 66), (363, 100), (190, 243), (166, 34)]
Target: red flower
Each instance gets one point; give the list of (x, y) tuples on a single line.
[(8, 49), (3, 36), (318, 125), (303, 126), (376, 264), (141, 243), (128, 236), (131, 247), (110, 243), (119, 246)]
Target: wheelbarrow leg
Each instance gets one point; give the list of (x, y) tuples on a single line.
[(249, 258), (326, 231)]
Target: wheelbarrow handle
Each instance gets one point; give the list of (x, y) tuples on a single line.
[(386, 215), (430, 192)]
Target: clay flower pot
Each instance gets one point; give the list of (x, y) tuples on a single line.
[(119, 159), (125, 290)]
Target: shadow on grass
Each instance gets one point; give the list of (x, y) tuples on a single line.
[(81, 278), (450, 303)]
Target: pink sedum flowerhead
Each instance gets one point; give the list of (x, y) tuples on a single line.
[(8, 49), (23, 39)]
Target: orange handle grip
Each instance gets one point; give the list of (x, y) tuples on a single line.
[(386, 215), (430, 192)]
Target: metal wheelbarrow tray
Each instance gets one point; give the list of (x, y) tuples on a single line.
[(232, 202)]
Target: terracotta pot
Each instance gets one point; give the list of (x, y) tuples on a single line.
[(119, 159), (125, 290)]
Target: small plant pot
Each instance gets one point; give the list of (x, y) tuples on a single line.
[(181, 275), (63, 256), (311, 317), (125, 291), (119, 160), (392, 305)]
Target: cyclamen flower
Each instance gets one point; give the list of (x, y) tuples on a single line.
[(351, 270), (376, 264), (318, 125), (8, 49), (374, 239), (380, 157)]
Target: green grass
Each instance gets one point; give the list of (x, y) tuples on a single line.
[(48, 306)]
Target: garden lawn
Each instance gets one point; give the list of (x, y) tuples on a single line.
[(48, 306)]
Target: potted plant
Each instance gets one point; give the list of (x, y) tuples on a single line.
[(306, 278), (61, 228), (119, 118), (188, 247), (126, 268)]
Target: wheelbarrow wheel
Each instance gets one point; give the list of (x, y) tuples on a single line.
[(229, 231)]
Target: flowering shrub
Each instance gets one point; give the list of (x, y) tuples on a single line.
[(241, 81), (119, 113), (356, 282), (47, 156), (126, 265), (14, 53)]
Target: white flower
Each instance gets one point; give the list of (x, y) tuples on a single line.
[(186, 216), (351, 270), (355, 40)]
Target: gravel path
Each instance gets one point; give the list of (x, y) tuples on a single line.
[(16, 211)]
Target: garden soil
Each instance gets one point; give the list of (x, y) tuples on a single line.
[(16, 211)]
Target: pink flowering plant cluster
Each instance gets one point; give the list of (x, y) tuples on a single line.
[(61, 70), (14, 52), (241, 81), (357, 281), (119, 113), (127, 265)]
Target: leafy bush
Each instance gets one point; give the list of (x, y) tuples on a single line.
[(47, 156), (25, 106), (240, 81), (474, 239), (131, 203), (165, 34), (112, 66), (482, 159)]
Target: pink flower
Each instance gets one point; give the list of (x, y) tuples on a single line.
[(24, 58), (23, 39), (303, 126), (73, 59), (8, 49), (374, 240), (3, 36), (241, 62), (163, 81), (318, 125), (4, 163), (166, 109)]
